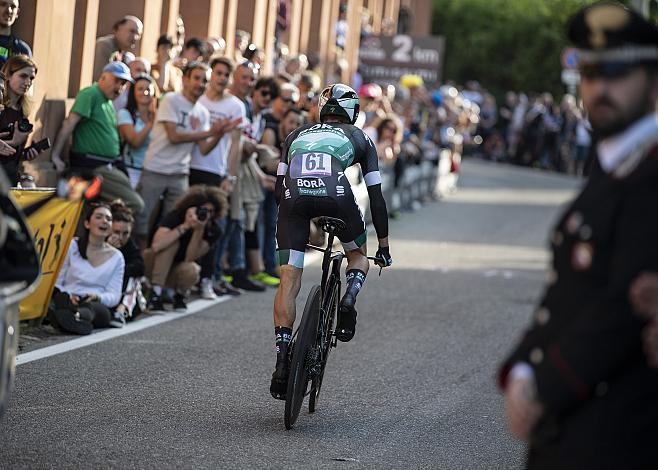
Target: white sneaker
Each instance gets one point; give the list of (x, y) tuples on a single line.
[(118, 320), (207, 291)]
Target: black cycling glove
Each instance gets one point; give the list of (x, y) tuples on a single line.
[(385, 257)]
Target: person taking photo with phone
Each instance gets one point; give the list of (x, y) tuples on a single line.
[(18, 74)]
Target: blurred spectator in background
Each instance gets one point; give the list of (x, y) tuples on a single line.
[(183, 236), (242, 39), (287, 98), (132, 300), (138, 66), (213, 47), (292, 119), (387, 140), (19, 72), (341, 27), (96, 144), (135, 123), (10, 45), (516, 144), (167, 76), (193, 51), (265, 90), (254, 54), (552, 123), (487, 128), (295, 66), (126, 33), (583, 143), (373, 107), (308, 85), (233, 240), (273, 136), (89, 282), (505, 113)]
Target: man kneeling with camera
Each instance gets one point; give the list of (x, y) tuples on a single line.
[(183, 236)]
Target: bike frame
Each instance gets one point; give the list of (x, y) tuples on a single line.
[(331, 263)]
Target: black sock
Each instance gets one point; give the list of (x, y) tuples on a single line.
[(355, 279), (283, 336)]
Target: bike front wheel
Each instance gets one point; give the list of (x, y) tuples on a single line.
[(303, 357)]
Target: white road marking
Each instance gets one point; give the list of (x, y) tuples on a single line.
[(147, 321), (110, 333)]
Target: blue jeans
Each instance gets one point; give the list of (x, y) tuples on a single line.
[(233, 239), (269, 211)]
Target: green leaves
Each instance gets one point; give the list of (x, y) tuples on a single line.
[(505, 44)]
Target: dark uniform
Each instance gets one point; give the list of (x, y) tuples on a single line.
[(312, 168), (600, 398)]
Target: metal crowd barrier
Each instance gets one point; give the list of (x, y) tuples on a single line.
[(421, 182)]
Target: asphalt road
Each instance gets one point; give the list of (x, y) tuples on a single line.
[(414, 389)]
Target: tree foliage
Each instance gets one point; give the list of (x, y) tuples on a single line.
[(505, 44)]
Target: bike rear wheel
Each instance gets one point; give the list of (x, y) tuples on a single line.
[(303, 358), (325, 342)]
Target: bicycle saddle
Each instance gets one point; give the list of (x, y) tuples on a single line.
[(331, 224)]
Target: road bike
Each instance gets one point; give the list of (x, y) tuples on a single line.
[(315, 336)]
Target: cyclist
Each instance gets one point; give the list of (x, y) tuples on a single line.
[(311, 182)]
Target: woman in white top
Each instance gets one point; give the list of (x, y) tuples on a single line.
[(92, 274)]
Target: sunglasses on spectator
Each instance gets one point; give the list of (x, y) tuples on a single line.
[(265, 92), (288, 100)]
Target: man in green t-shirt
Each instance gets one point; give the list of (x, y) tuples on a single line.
[(96, 144)]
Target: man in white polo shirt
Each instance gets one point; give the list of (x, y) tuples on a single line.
[(219, 166)]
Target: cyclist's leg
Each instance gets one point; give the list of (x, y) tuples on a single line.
[(286, 294), (357, 259), (291, 246), (354, 243)]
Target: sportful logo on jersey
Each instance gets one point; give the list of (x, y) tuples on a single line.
[(340, 191), (312, 192)]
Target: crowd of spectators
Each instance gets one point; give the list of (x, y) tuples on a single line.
[(533, 130), (187, 149)]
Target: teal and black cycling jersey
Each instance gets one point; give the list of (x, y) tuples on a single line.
[(311, 182)]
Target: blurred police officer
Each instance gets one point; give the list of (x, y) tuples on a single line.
[(578, 387)]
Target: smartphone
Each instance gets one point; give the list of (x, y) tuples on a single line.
[(40, 146)]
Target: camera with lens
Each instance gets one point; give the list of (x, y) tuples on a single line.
[(24, 125), (202, 213)]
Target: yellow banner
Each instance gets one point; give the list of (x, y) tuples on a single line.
[(53, 227)]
